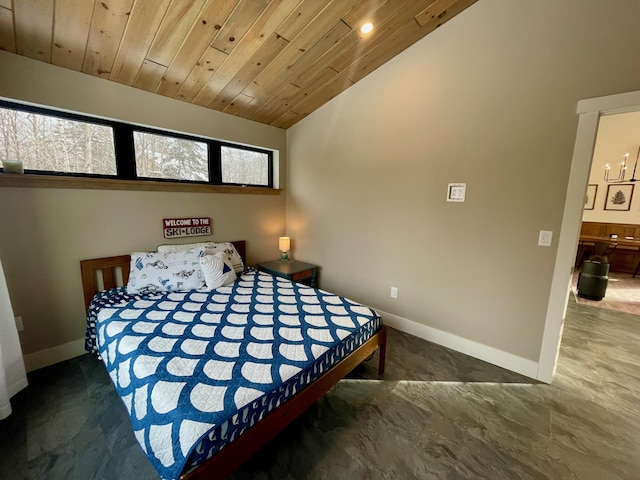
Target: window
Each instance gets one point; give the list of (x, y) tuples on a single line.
[(244, 167), (54, 144), (161, 156), (48, 141)]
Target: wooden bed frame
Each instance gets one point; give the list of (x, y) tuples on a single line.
[(242, 448)]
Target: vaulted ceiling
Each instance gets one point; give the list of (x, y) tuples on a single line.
[(272, 61)]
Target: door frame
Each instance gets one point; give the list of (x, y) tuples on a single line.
[(589, 111)]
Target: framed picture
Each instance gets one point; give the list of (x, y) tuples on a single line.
[(619, 197), (590, 198)]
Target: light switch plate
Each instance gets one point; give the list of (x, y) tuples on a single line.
[(456, 192), (545, 238)]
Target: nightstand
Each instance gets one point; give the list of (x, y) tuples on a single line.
[(293, 270)]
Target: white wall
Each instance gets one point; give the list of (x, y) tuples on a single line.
[(617, 135), (45, 232), (488, 99)]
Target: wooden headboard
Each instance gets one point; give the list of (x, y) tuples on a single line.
[(109, 267)]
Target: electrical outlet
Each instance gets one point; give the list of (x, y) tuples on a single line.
[(394, 292), (19, 324)]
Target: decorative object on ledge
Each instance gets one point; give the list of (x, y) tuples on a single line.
[(12, 166), (623, 170), (284, 244), (619, 197), (590, 197)]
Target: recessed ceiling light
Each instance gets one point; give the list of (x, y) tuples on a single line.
[(366, 27)]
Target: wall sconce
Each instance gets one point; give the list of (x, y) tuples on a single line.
[(285, 244)]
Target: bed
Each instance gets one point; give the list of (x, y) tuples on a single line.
[(209, 377)]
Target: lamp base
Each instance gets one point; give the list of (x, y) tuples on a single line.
[(284, 256)]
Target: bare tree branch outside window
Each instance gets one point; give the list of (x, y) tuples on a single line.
[(55, 144), (244, 167), (160, 156)]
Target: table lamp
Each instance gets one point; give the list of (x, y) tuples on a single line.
[(285, 244)]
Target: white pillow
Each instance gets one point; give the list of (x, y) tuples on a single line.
[(217, 270), (211, 248), (162, 272), (177, 247)]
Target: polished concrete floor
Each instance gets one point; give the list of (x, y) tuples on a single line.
[(437, 414)]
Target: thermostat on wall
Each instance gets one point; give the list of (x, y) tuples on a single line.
[(456, 192)]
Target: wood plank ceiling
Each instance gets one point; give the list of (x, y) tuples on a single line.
[(272, 61)]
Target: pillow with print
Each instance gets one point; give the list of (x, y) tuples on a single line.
[(211, 249), (178, 247), (165, 272)]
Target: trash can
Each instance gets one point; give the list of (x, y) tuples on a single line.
[(593, 280)]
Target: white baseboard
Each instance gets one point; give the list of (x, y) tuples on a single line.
[(477, 350), (16, 387), (523, 366), (5, 411), (49, 356)]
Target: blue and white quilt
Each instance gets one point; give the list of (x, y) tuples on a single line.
[(195, 369)]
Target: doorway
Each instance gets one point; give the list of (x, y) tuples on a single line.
[(612, 208), (589, 111)]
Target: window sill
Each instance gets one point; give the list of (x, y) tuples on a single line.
[(54, 181)]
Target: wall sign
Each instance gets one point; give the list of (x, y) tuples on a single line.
[(186, 227)]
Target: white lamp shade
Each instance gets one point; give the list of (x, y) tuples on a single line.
[(284, 243)]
